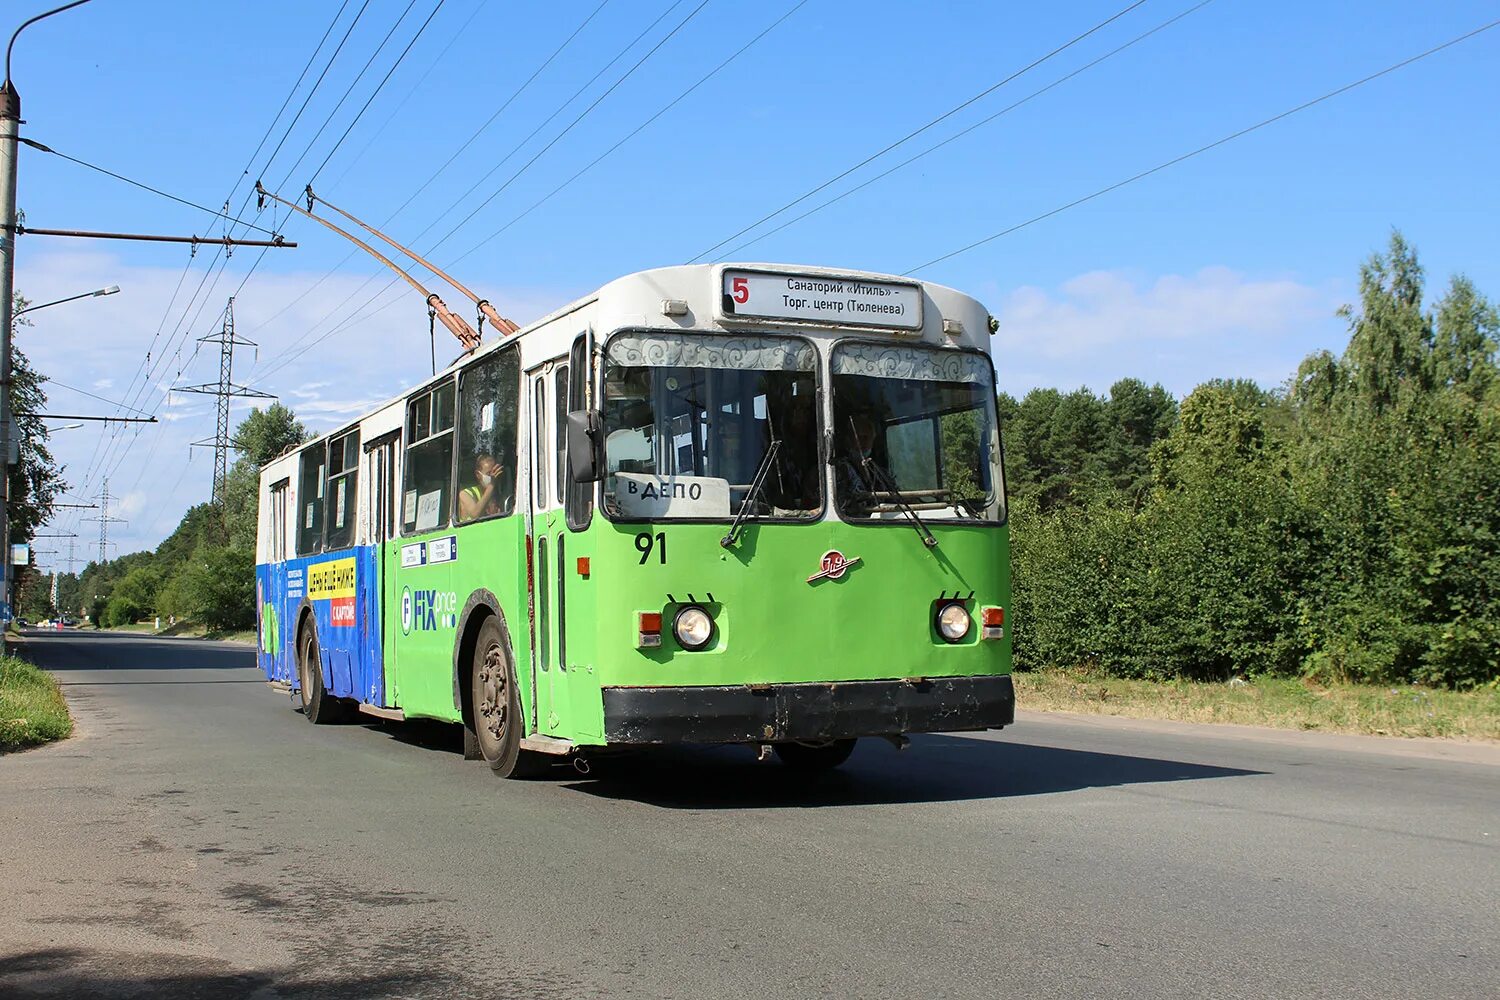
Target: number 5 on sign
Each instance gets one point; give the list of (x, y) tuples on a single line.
[(740, 290)]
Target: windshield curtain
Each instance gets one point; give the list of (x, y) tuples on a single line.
[(689, 420), (918, 423)]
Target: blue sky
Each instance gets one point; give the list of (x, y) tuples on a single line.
[(1230, 264)]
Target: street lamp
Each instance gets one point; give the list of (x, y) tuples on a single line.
[(111, 290)]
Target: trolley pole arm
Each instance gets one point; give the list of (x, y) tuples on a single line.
[(456, 324), (499, 322)]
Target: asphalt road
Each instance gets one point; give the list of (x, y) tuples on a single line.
[(198, 838)]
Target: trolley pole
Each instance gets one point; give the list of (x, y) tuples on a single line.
[(10, 127)]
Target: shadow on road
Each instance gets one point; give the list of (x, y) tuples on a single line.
[(82, 973), (933, 769), (75, 649)]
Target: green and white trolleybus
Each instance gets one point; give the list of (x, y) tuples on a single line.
[(715, 504)]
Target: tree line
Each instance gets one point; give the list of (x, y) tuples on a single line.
[(1343, 526)]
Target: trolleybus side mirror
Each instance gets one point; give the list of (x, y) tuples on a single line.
[(585, 445)]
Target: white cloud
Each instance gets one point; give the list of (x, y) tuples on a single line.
[(1177, 329)]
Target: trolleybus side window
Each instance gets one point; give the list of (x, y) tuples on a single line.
[(311, 487), (489, 394), (560, 428), (277, 549), (343, 479), (580, 496), (425, 497), (539, 439)]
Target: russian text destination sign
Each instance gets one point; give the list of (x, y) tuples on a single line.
[(823, 299)]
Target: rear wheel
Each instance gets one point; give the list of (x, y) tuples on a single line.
[(496, 706), (318, 706), (815, 756)]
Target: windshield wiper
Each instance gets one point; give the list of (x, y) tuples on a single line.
[(879, 477), (748, 504)]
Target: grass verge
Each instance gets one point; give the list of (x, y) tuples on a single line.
[(1378, 710), (32, 710)]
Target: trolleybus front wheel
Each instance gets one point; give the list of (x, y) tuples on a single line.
[(814, 756), (317, 704), (496, 707)]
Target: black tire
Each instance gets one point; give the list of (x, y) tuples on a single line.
[(814, 757), (495, 705), (318, 706)]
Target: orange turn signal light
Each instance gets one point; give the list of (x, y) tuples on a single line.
[(992, 623), (648, 629)]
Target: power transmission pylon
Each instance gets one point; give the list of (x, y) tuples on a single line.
[(105, 521), (224, 389)]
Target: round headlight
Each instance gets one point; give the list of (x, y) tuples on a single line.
[(693, 628), (953, 622)]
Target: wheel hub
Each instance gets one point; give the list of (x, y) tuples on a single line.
[(494, 696)]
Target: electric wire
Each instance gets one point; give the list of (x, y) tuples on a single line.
[(260, 375), (92, 395), (411, 92), (312, 57), (425, 184), (640, 128), (339, 104), (221, 254), (379, 87), (1208, 146), (499, 111), (916, 132), (581, 116), (147, 371), (734, 252), (216, 213)]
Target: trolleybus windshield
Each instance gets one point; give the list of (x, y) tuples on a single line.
[(915, 428), (690, 418)]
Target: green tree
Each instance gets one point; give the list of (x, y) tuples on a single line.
[(36, 480)]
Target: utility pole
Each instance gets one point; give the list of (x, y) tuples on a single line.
[(225, 390), (104, 521), (10, 127)]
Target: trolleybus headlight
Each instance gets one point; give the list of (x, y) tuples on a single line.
[(953, 622), (693, 628)]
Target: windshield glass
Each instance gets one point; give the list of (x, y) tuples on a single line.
[(915, 423), (689, 420)]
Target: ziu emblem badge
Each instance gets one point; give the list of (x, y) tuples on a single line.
[(832, 566)]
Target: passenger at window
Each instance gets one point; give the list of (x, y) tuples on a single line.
[(482, 498)]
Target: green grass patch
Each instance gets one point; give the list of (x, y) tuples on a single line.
[(32, 710), (1373, 709)]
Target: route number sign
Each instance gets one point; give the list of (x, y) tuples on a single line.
[(819, 298)]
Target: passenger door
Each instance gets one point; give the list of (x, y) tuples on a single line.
[(380, 487), (550, 701)]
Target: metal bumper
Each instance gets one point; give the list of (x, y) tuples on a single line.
[(781, 712)]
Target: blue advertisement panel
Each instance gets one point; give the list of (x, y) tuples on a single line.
[(341, 590)]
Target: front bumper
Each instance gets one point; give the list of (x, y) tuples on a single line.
[(797, 712)]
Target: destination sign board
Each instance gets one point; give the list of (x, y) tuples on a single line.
[(818, 298)]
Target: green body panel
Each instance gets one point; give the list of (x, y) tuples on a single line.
[(772, 626), (491, 555)]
